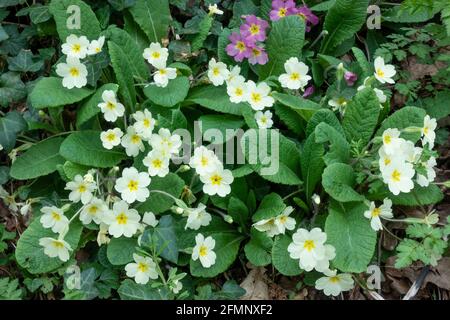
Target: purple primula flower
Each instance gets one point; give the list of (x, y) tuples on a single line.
[(350, 78), (254, 28), (239, 48), (281, 8), (258, 55), (308, 91), (308, 16)]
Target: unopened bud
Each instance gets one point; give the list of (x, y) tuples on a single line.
[(316, 198), (184, 168), (228, 219)]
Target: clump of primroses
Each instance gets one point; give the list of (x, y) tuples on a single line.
[(247, 44)]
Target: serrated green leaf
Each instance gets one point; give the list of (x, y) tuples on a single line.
[(200, 37), (327, 116), (287, 33), (361, 116), (404, 118), (339, 149)]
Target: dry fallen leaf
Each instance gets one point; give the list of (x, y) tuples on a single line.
[(255, 285)]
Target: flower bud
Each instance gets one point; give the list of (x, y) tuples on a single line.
[(316, 198)]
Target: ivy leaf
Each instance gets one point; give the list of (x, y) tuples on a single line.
[(49, 92), (120, 250), (289, 34), (37, 12), (85, 147), (153, 16), (12, 89), (10, 126), (41, 159), (338, 180), (164, 238), (351, 235), (25, 62)]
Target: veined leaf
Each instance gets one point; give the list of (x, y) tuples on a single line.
[(305, 108), (339, 150), (338, 180), (404, 118), (153, 16), (174, 93), (311, 164), (281, 259)]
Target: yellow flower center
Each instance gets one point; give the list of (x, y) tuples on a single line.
[(341, 101), (240, 45), (162, 71), (204, 161), (387, 139), (133, 185), (380, 73), (76, 48), (216, 179), (203, 251), (58, 244), (239, 92), (82, 188), (334, 279), (98, 49), (263, 120), (254, 29), (309, 245), (283, 219), (122, 218), (110, 136), (282, 12), (256, 52), (93, 210), (135, 139), (256, 97), (216, 71), (157, 163), (425, 130), (156, 55), (74, 72), (142, 267), (110, 105), (56, 216), (146, 123), (376, 212), (295, 76), (396, 175)]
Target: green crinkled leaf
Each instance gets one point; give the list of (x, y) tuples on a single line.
[(158, 202), (214, 98), (172, 94), (30, 255), (366, 67), (90, 107), (131, 51), (305, 108), (120, 250), (238, 210), (200, 37), (41, 159), (339, 149), (350, 233), (89, 25), (279, 162), (324, 115), (342, 21), (49, 92), (338, 180), (403, 118), (153, 16), (130, 290), (289, 34), (121, 67), (10, 125), (419, 196), (311, 164), (281, 259), (271, 206), (12, 89), (85, 147), (290, 118), (258, 249), (361, 116)]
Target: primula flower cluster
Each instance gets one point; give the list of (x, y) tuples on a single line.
[(400, 160), (73, 71), (247, 43), (284, 8), (157, 57)]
